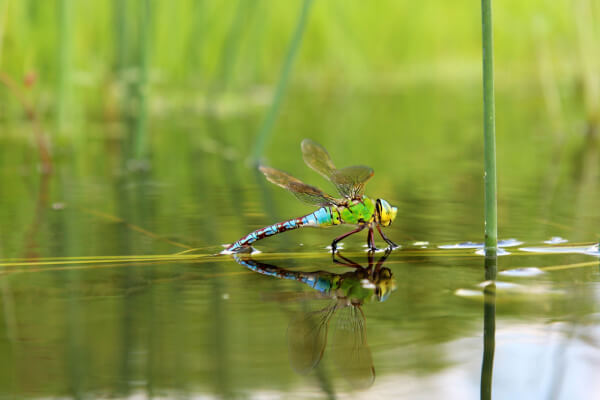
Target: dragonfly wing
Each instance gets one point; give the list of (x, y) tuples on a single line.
[(307, 338), (350, 181), (307, 193), (316, 157), (350, 350)]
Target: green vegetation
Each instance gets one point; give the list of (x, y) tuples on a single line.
[(267, 125), (345, 45)]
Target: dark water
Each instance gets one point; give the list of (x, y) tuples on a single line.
[(109, 287)]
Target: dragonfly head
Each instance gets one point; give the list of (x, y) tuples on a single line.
[(384, 285), (385, 213)]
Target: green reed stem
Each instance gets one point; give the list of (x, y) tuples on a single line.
[(141, 129), (64, 63), (587, 44), (229, 57), (489, 134), (269, 121), (198, 33), (230, 53), (120, 37), (3, 14)]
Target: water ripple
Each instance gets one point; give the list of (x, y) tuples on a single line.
[(589, 250), (472, 245), (522, 272), (556, 240)]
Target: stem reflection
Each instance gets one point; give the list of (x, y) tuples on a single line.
[(489, 327)]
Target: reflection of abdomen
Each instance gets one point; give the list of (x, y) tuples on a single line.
[(322, 281)]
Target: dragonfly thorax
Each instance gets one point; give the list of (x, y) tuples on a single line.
[(357, 211)]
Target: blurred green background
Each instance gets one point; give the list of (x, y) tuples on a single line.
[(86, 58), (128, 131)]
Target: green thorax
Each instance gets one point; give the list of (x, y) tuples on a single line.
[(358, 211), (350, 286)]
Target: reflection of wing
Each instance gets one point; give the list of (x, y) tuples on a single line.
[(307, 193), (349, 181), (350, 349), (307, 338)]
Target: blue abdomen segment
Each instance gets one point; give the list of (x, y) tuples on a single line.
[(324, 216), (321, 217)]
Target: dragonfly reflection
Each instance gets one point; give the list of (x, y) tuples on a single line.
[(307, 331)]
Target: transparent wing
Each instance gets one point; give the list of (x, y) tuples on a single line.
[(316, 157), (307, 193), (307, 338), (350, 350), (349, 181)]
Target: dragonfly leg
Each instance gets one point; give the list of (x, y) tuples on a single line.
[(388, 241), (346, 261), (371, 240), (371, 258), (382, 259), (345, 235)]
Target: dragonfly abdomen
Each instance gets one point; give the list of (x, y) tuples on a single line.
[(324, 216)]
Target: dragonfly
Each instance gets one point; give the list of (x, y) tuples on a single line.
[(353, 208), (347, 292)]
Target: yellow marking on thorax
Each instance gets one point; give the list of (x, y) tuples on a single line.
[(336, 219)]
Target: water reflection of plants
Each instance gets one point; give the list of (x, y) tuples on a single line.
[(347, 292)]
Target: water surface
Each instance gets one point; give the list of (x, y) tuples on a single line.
[(110, 286)]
